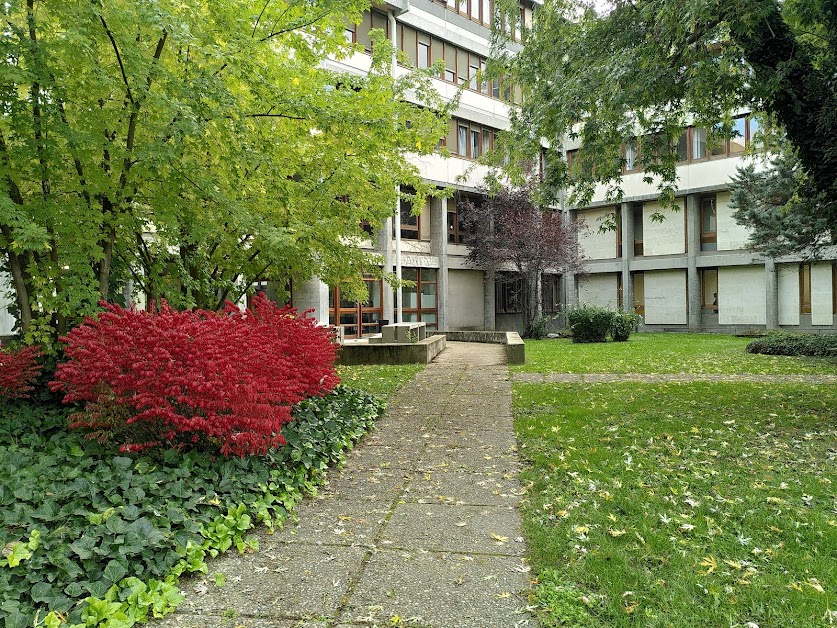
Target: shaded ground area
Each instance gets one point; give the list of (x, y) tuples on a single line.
[(420, 528)]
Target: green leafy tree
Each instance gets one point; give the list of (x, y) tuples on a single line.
[(193, 148), (605, 73)]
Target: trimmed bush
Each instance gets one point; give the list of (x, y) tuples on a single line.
[(794, 344), (623, 324), (589, 323), (195, 379), (18, 368)]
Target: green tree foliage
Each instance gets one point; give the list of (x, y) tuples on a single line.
[(604, 73), (193, 147)]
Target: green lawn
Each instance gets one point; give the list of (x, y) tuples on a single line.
[(378, 379), (665, 353), (681, 504)]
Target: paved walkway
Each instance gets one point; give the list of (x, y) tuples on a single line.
[(421, 524)]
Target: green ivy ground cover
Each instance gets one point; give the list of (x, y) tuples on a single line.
[(94, 536), (681, 504), (666, 353)]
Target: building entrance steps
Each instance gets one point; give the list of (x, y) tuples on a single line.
[(420, 526)]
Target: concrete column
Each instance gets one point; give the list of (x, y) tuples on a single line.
[(383, 246), (569, 284), (772, 293), (627, 255), (313, 295), (693, 289), (489, 307), (439, 248)]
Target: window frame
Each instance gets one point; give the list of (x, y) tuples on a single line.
[(805, 288), (704, 303), (708, 239)]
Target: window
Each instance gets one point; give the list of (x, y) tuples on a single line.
[(470, 140), (508, 293), (550, 293), (738, 143), (423, 50), (708, 224), (682, 148), (699, 144), (805, 288), (351, 33), (709, 289), (282, 298), (636, 208), (357, 319), (419, 301), (639, 293), (409, 222), (631, 155), (458, 231)]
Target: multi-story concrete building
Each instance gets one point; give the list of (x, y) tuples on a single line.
[(428, 247), (692, 271)]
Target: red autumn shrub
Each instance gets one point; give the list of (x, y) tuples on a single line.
[(194, 378), (17, 370)]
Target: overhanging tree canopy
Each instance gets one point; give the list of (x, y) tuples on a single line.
[(606, 72), (193, 147)]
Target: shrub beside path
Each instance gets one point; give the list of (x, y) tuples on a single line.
[(420, 528)]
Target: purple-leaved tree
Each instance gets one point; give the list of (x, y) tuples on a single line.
[(508, 232)]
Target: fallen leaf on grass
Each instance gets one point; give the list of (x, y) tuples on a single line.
[(710, 564)]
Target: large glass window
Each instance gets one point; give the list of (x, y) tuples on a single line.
[(458, 232), (632, 155), (357, 319), (551, 293), (419, 300), (738, 143), (508, 293), (639, 293), (700, 146)]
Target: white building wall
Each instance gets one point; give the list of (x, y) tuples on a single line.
[(663, 238), (822, 308), (465, 298), (731, 235), (599, 290), (789, 294), (596, 244), (665, 297), (7, 321), (742, 295)]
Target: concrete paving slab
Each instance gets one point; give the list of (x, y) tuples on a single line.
[(494, 488), (382, 457), (455, 528), (441, 591), (238, 621), (280, 581), (479, 458)]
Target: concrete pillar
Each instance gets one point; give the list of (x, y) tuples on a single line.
[(569, 284), (383, 246), (627, 227), (489, 307), (439, 248), (693, 289), (312, 295), (772, 294)]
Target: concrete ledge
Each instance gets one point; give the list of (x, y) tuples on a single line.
[(421, 352), (515, 349)]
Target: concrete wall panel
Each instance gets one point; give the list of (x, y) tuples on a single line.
[(742, 295), (822, 305), (465, 297), (665, 297), (789, 294), (663, 238), (596, 244), (731, 235), (598, 289)]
